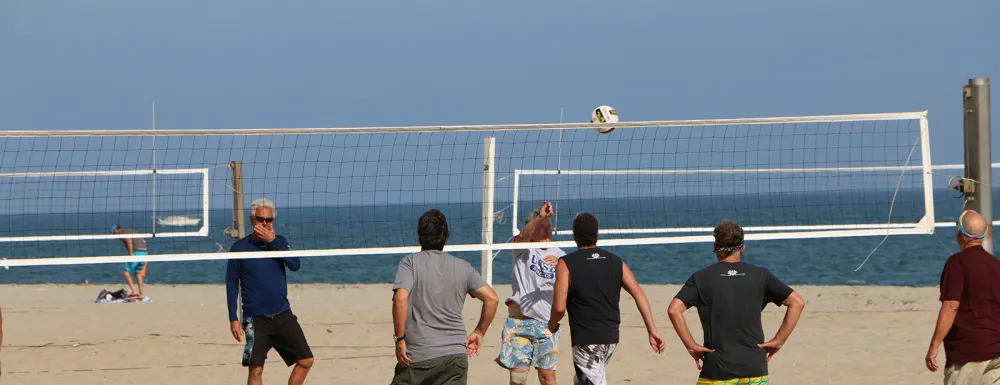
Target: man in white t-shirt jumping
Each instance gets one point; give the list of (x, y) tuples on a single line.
[(527, 340)]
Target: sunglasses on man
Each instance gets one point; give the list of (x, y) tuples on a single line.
[(262, 219), (961, 227)]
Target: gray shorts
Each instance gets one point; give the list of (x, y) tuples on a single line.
[(590, 361), (447, 370)]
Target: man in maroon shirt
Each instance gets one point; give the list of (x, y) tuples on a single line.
[(969, 320)]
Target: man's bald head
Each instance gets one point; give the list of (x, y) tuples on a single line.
[(972, 226)]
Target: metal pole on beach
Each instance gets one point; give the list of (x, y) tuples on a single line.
[(239, 229), (978, 152), (489, 185)]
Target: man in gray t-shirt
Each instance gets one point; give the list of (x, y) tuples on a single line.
[(430, 290)]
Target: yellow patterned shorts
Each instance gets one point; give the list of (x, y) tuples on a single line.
[(735, 381), (528, 342)]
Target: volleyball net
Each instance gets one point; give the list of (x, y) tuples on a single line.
[(360, 191)]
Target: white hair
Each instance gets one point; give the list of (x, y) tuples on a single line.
[(262, 203)]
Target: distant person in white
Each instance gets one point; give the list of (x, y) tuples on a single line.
[(526, 340)]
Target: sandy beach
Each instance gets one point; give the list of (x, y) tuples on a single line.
[(55, 334)]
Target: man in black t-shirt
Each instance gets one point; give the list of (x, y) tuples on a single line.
[(589, 282), (730, 296)]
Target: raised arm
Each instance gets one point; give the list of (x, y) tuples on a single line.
[(642, 303), (560, 292), (529, 229)]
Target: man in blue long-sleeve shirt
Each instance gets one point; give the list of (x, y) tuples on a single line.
[(267, 317)]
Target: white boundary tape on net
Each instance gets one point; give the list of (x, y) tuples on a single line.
[(454, 248), (497, 127)]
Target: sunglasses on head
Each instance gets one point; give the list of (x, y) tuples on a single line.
[(262, 219), (962, 228), (730, 249)]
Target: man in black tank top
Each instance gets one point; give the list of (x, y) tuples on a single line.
[(729, 296), (588, 284)]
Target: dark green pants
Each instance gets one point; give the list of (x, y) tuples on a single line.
[(447, 370)]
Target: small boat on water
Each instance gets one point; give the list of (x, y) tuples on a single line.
[(178, 220)]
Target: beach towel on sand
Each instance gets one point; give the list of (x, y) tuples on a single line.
[(119, 296)]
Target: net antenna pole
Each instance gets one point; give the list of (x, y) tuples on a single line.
[(239, 219), (555, 209), (154, 167), (489, 185), (978, 155)]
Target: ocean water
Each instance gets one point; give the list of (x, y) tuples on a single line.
[(914, 260)]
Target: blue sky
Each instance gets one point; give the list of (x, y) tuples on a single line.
[(68, 64), (71, 64)]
